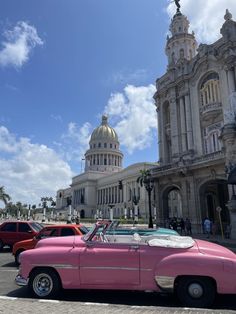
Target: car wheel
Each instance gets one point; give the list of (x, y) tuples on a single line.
[(1, 245), (44, 283), (196, 291), (17, 257)]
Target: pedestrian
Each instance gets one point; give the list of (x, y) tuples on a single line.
[(207, 227), (228, 231), (188, 226), (182, 226), (174, 223)]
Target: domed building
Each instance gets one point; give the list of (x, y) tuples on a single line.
[(104, 153), (105, 189)]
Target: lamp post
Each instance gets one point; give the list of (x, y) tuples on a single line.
[(28, 218), (69, 201), (135, 201), (149, 184), (18, 213), (111, 211)]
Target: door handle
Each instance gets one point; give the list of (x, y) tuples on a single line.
[(134, 247)]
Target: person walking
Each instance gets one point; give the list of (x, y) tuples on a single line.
[(207, 227), (188, 226), (182, 226)]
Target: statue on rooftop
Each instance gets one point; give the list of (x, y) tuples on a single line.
[(177, 4)]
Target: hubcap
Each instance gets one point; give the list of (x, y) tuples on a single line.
[(42, 285), (195, 290)]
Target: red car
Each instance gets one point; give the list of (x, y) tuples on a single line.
[(14, 231), (60, 230)]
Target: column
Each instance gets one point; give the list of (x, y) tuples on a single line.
[(174, 128), (160, 133), (183, 124), (188, 122), (231, 80)]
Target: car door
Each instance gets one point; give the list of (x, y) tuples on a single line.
[(9, 233), (66, 231), (110, 263), (24, 231)]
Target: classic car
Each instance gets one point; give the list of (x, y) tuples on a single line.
[(14, 231), (195, 270), (60, 230)]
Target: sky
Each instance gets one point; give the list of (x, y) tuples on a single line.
[(65, 63)]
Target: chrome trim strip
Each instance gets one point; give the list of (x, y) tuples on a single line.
[(146, 269), (165, 282), (20, 281), (107, 267), (57, 266)]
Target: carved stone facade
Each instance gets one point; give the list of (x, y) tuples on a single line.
[(196, 101)]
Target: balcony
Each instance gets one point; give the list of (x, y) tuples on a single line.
[(211, 110), (201, 160)]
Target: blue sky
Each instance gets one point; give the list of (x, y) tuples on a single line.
[(63, 63)]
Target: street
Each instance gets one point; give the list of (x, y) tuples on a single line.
[(17, 299)]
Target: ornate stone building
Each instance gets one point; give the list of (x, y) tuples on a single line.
[(196, 105), (105, 189)]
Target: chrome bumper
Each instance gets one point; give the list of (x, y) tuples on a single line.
[(20, 281), (166, 283)]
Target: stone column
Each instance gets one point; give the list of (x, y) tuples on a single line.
[(183, 125), (228, 136), (231, 80), (188, 122), (174, 129)]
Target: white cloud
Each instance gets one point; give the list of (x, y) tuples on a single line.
[(30, 171), (134, 116), (206, 17), (18, 44), (75, 141)]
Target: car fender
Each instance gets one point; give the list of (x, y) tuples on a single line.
[(182, 264)]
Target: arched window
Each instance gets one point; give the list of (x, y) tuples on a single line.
[(211, 138), (209, 89)]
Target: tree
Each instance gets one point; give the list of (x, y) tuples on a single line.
[(145, 179), (4, 196)]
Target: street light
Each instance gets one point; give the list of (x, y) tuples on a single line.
[(135, 200), (149, 184)]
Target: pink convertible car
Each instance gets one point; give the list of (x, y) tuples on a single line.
[(195, 270)]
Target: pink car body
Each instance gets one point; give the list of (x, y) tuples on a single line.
[(196, 270)]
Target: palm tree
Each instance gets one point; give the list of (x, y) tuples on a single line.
[(145, 179), (4, 196)]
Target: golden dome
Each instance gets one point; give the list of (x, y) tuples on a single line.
[(104, 131)]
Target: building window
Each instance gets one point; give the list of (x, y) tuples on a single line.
[(110, 145), (99, 145), (211, 138), (105, 145), (209, 90)]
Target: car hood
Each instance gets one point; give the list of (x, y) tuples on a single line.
[(209, 248), (59, 241)]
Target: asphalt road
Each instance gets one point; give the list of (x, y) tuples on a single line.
[(17, 299)]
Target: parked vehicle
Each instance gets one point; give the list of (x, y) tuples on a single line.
[(195, 270), (14, 231), (61, 230)]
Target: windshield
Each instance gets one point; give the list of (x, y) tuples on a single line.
[(36, 226), (89, 233), (83, 229)]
